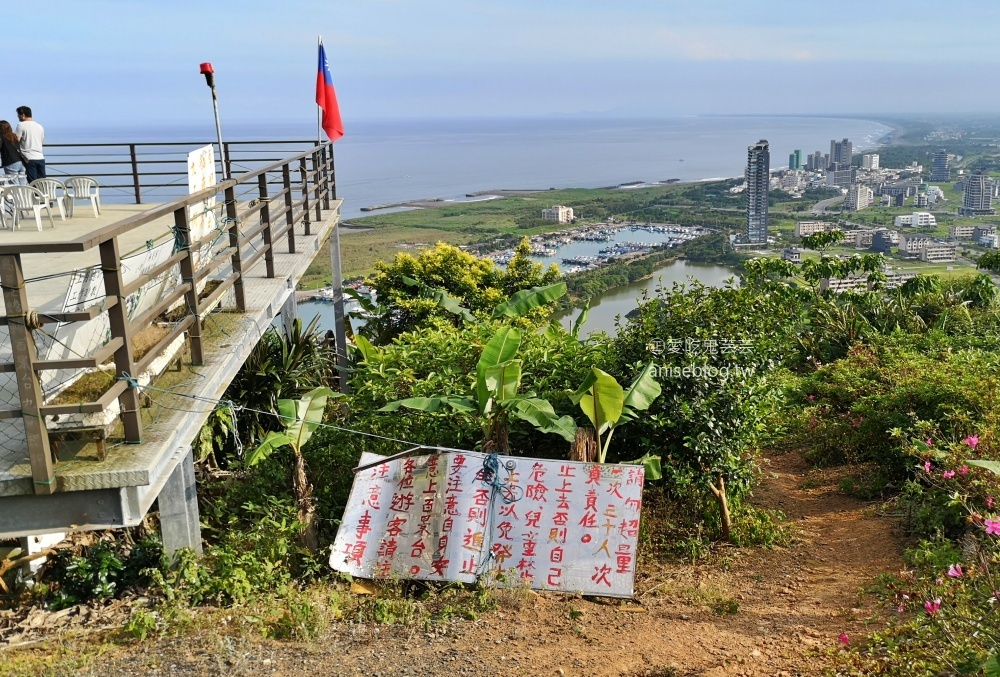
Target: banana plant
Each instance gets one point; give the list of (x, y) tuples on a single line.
[(497, 397), (607, 405), (527, 300), (992, 466), (578, 325), (300, 418)]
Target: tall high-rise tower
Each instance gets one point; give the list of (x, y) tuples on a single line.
[(758, 179), (978, 197), (941, 170), (841, 153)]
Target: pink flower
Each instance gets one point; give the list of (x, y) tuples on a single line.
[(927, 466), (900, 609), (844, 639), (939, 581), (906, 597), (992, 527), (989, 501), (955, 571), (933, 606), (948, 474), (963, 471), (856, 422), (812, 397), (929, 442), (972, 441)]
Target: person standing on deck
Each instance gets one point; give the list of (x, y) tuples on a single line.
[(10, 151), (31, 135)]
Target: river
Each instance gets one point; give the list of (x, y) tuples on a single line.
[(617, 302), (603, 309)]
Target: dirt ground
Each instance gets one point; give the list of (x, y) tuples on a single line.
[(749, 612)]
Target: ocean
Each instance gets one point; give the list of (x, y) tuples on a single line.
[(384, 162)]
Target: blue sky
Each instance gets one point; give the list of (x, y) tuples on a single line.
[(126, 62)]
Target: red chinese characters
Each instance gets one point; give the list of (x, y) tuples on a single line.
[(556, 525)]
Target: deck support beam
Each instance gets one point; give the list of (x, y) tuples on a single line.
[(339, 330), (178, 503), (289, 311)]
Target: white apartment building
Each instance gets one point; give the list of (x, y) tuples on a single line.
[(860, 282), (938, 252), (857, 197), (910, 245), (559, 214), (990, 241), (791, 180), (916, 220), (861, 238), (805, 228), (961, 232), (869, 161)]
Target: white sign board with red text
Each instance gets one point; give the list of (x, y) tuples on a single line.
[(556, 525)]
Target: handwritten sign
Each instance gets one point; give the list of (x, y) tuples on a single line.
[(548, 525), (201, 175)]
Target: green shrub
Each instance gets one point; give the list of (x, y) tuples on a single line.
[(102, 571), (704, 427), (252, 551), (867, 407)]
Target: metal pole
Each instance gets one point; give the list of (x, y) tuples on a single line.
[(209, 73), (319, 111), (218, 131)]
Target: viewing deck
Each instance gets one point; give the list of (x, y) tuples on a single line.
[(98, 306)]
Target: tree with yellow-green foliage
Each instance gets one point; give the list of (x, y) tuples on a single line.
[(448, 284)]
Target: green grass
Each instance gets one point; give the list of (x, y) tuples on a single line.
[(359, 250), (388, 234)]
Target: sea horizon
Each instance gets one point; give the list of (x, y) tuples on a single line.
[(385, 161)]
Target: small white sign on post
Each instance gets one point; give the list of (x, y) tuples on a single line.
[(548, 525), (201, 175)]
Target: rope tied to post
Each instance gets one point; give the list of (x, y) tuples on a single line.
[(31, 320), (505, 490)]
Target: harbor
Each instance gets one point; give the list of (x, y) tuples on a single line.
[(592, 246)]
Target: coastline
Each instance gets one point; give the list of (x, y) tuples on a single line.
[(896, 131)]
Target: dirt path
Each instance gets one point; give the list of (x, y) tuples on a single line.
[(761, 612)]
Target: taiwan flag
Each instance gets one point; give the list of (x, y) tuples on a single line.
[(326, 98)]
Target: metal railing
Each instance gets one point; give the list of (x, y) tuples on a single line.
[(306, 186), (135, 172)]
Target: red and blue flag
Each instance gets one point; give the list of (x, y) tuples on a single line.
[(326, 99)]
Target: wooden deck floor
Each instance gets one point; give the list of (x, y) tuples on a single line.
[(48, 294), (120, 489)]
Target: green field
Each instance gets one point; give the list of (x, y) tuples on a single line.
[(502, 222)]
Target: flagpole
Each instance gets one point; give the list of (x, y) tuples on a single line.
[(319, 111), (336, 272)]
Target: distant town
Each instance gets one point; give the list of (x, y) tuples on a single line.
[(863, 183)]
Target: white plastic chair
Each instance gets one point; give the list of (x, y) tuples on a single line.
[(7, 210), (29, 198), (84, 188), (51, 189)]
